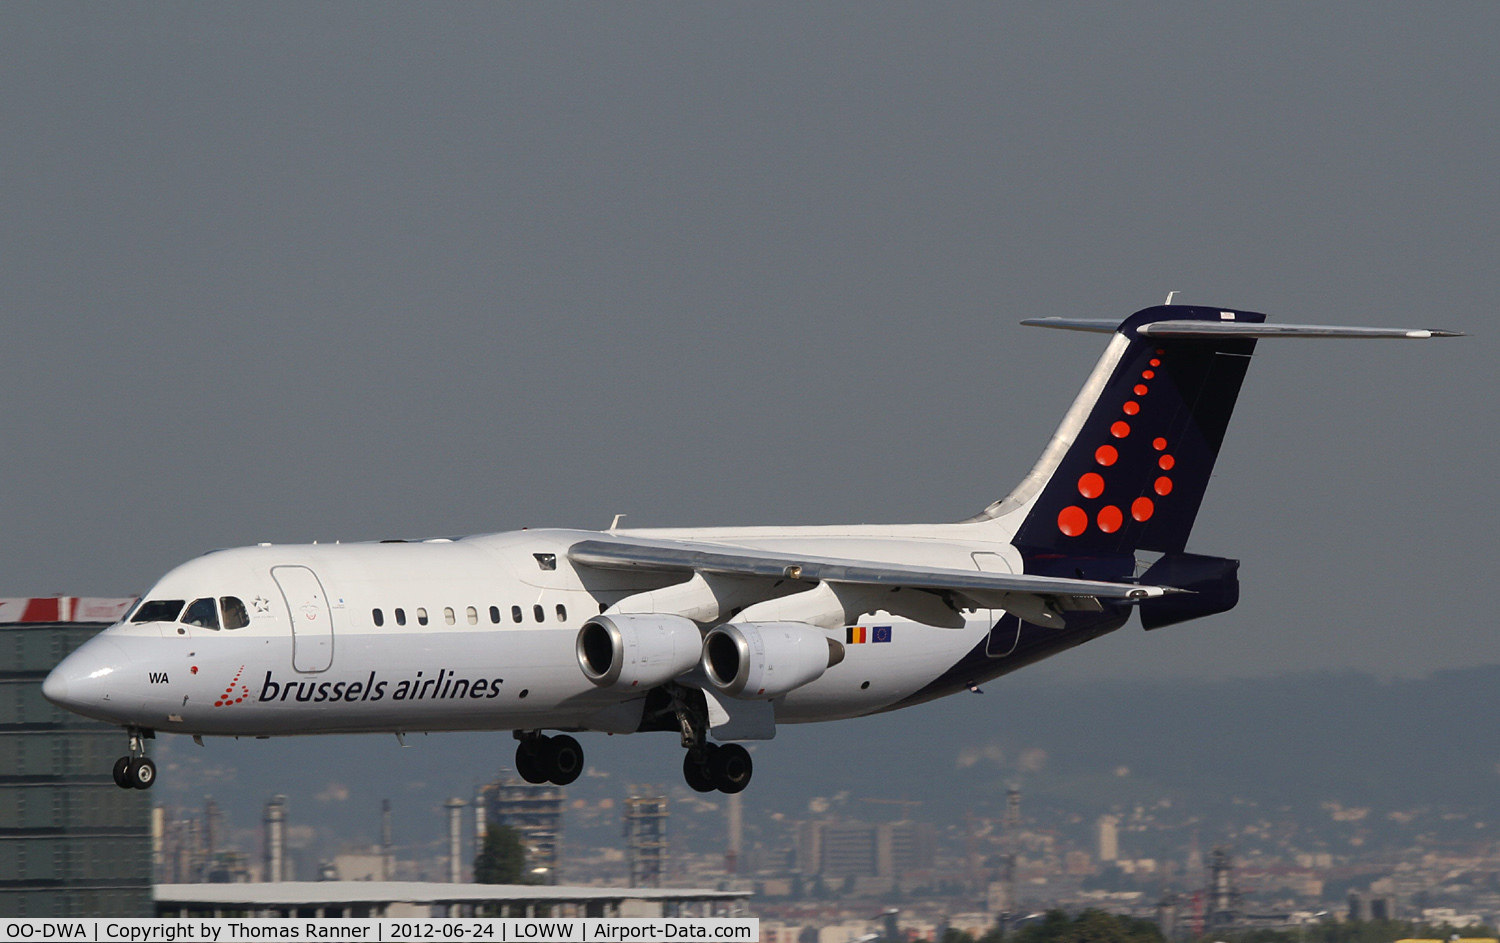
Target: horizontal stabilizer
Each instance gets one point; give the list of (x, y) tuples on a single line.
[(1235, 329), (1090, 325), (1232, 328)]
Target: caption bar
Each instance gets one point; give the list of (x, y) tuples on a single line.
[(383, 930)]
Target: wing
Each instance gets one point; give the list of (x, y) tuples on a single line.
[(1047, 594)]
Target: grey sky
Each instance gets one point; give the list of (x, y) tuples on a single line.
[(347, 272)]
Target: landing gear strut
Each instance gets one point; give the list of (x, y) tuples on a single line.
[(543, 759), (709, 766), (136, 771)]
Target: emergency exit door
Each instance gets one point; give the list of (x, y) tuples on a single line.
[(312, 621)]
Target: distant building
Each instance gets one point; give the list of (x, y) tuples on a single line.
[(1223, 898), (367, 866), (72, 843), (859, 849), (837, 849), (902, 847), (534, 812), (306, 899), (188, 849), (646, 838), (1109, 838)]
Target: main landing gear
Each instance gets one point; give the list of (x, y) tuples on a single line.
[(722, 766), (708, 766), (136, 771), (543, 759)]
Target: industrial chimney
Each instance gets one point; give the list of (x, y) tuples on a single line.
[(387, 847), (455, 807), (275, 825)]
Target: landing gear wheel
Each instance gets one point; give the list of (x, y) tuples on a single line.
[(696, 768), (122, 772), (731, 768), (141, 773), (529, 760), (563, 760)]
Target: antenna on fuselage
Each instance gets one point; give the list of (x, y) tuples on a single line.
[(615, 523)]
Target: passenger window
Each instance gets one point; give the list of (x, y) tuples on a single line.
[(159, 610), (448, 615), (495, 614), (378, 616), (473, 615), (421, 615), (515, 613), (538, 612), (202, 613), (236, 616), (562, 613), (400, 616)]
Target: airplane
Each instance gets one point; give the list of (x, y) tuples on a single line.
[(717, 634)]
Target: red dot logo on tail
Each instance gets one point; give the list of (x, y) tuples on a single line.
[(1072, 520), (1091, 485), (1110, 519), (1142, 508)]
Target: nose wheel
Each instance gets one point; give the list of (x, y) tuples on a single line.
[(541, 759), (136, 771)]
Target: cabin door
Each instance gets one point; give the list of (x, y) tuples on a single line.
[(312, 622)]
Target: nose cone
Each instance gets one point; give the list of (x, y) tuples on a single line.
[(55, 688), (82, 682)]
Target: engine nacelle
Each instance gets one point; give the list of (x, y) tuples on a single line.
[(636, 652), (767, 659)]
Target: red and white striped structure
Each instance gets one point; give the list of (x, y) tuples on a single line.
[(21, 609)]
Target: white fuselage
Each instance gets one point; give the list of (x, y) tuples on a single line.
[(477, 633)]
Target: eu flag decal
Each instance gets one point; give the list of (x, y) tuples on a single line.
[(880, 633)]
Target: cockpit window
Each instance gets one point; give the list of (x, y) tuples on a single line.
[(202, 613), (158, 610), (235, 614)]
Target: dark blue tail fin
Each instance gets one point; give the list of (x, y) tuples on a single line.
[(1136, 469)]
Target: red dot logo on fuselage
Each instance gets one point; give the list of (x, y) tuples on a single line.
[(229, 697)]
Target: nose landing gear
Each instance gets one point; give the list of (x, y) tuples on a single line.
[(136, 771), (543, 759)]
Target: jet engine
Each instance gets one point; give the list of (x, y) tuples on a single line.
[(767, 659), (635, 652)]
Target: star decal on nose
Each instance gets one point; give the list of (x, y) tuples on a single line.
[(261, 604)]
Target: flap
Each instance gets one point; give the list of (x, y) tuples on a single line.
[(733, 719)]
